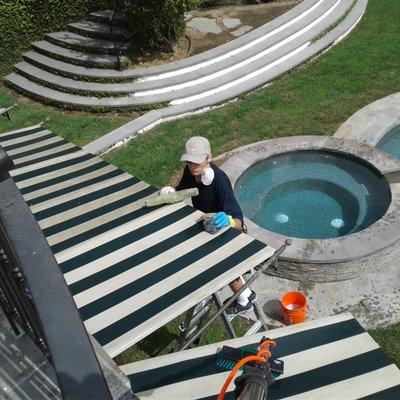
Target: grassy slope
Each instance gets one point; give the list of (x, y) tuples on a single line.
[(78, 127), (316, 99)]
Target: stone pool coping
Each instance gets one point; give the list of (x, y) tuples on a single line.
[(375, 238), (370, 124)]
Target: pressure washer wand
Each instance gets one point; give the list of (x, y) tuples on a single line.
[(254, 390)]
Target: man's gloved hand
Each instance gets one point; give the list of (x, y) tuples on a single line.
[(166, 190), (222, 220)]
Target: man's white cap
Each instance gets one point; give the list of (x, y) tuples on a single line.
[(197, 150)]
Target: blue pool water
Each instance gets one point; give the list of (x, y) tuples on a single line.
[(391, 142), (312, 194)]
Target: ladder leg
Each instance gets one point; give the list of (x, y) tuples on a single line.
[(184, 326), (195, 319), (202, 321), (259, 314), (225, 319)]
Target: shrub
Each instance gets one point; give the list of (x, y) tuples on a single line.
[(156, 24)]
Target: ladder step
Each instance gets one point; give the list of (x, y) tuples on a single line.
[(254, 328), (198, 315)]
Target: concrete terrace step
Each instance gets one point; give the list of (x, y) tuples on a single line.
[(82, 43), (71, 57), (197, 62), (223, 94), (51, 96), (91, 29), (254, 81), (63, 68), (103, 16), (182, 91), (198, 76)]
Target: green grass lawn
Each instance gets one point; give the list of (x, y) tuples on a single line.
[(314, 100), (78, 127), (164, 339), (388, 339)]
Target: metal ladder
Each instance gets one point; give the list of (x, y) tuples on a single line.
[(197, 317)]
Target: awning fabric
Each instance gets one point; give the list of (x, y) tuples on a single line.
[(130, 269), (331, 358)]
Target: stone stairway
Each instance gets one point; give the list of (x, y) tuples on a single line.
[(74, 69)]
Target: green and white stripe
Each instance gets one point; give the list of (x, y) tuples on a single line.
[(130, 269), (330, 358)]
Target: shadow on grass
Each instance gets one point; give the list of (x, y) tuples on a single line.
[(164, 340), (158, 342)]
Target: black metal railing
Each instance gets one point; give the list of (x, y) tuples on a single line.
[(34, 296), (120, 32)]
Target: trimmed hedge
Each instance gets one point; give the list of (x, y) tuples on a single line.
[(24, 21)]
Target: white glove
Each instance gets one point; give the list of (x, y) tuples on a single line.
[(166, 190)]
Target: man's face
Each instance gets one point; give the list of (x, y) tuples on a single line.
[(196, 169)]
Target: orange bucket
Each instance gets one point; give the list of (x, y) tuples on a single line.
[(294, 307)]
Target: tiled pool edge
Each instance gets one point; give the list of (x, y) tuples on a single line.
[(325, 260)]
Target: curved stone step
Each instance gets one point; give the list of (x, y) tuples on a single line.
[(256, 73), (55, 97), (82, 43), (46, 78), (253, 82), (275, 41), (103, 16), (195, 62), (62, 68), (51, 96), (175, 93), (72, 56), (91, 29)]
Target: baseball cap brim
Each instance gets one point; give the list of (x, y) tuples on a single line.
[(193, 158)]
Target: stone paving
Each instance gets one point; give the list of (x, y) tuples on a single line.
[(204, 25), (209, 25), (373, 298)]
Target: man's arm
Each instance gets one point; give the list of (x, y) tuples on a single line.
[(229, 204)]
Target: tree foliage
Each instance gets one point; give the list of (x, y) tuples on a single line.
[(156, 24)]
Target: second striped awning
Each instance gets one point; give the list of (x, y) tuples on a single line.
[(330, 358)]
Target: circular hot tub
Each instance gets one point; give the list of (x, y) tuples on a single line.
[(337, 199), (313, 194)]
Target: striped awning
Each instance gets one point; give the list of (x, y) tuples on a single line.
[(130, 269), (331, 358)]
